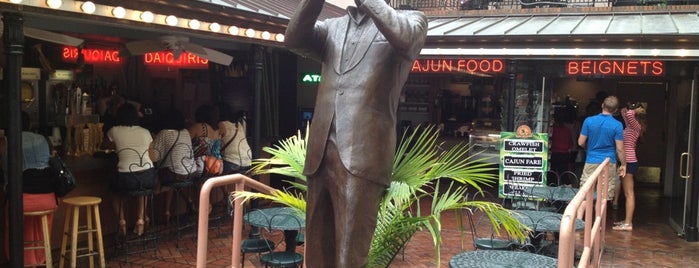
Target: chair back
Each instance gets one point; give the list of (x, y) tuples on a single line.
[(569, 178)]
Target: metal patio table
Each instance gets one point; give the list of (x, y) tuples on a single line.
[(278, 218), (500, 258)]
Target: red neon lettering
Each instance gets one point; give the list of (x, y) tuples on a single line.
[(605, 67), (498, 66), (573, 68), (70, 54), (460, 65), (632, 68), (186, 59), (612, 67), (658, 68)]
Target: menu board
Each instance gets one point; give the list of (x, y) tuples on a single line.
[(523, 161)]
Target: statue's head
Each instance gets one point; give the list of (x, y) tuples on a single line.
[(357, 2)]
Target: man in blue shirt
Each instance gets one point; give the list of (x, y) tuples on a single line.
[(603, 136)]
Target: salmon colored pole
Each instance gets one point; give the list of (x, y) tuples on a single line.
[(203, 227)]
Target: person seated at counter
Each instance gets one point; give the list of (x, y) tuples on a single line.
[(206, 138), (174, 156), (37, 191), (135, 169)]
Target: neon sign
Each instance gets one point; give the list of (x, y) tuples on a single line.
[(458, 66), (70, 54), (310, 78), (616, 67), (166, 58)]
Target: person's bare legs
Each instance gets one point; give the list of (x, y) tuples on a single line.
[(617, 192), (168, 205), (118, 205), (140, 223), (630, 198)]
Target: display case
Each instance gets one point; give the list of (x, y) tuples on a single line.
[(414, 104)]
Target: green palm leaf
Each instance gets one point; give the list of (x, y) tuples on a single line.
[(419, 165)]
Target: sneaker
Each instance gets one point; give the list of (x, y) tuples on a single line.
[(623, 227), (616, 223)]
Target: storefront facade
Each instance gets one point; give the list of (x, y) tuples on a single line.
[(489, 73), (228, 52)]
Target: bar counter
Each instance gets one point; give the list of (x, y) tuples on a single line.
[(93, 174)]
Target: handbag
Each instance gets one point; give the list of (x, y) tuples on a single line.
[(213, 165), (63, 180)]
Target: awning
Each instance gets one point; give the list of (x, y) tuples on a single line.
[(654, 33)]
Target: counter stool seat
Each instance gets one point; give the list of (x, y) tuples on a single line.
[(71, 229), (176, 188), (45, 242)]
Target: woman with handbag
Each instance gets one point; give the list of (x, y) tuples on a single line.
[(135, 169), (206, 142), (174, 156), (235, 150), (38, 190)]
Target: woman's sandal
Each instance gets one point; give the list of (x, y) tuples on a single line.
[(623, 227), (140, 226)]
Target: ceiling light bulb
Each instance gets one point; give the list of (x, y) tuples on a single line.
[(266, 35), (215, 27), (279, 37), (119, 12), (250, 33), (171, 20), (55, 4), (233, 30), (88, 7), (15, 1), (147, 16), (194, 24)]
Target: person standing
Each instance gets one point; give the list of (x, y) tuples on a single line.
[(632, 132), (562, 145), (37, 191), (366, 57), (603, 136)]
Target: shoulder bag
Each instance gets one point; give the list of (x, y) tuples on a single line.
[(63, 180)]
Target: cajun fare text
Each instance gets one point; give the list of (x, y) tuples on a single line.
[(523, 161)]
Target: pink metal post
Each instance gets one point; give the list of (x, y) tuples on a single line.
[(582, 203), (240, 182)]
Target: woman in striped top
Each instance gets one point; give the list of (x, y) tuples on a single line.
[(634, 129)]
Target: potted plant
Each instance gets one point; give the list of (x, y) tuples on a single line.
[(419, 167)]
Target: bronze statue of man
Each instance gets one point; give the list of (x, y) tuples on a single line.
[(366, 56)]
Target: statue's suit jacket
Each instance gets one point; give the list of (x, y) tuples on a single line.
[(361, 96)]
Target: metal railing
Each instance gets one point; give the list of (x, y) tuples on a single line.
[(240, 181), (582, 203), (517, 4)]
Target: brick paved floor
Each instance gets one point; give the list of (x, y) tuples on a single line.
[(651, 244)]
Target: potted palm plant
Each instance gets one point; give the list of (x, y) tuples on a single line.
[(420, 166)]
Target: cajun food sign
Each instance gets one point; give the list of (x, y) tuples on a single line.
[(523, 161)]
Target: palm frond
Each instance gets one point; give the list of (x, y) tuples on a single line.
[(419, 165)]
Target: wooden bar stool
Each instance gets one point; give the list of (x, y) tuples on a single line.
[(70, 227), (45, 242)]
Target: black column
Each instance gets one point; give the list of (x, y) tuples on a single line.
[(257, 129), (13, 39), (511, 97)]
